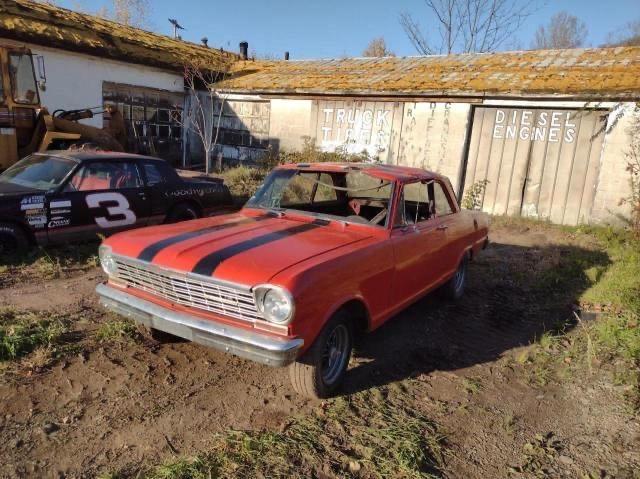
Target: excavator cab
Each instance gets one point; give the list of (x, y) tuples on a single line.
[(26, 126), (19, 103)]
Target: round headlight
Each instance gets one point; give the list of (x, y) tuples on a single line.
[(275, 304), (107, 261)]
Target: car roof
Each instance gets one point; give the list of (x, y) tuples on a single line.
[(379, 170), (84, 155)]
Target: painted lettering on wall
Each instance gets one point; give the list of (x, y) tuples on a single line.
[(552, 126), (356, 126)]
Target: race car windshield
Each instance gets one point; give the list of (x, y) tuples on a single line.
[(40, 172), (351, 196)]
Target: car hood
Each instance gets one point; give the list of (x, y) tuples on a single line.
[(237, 248), (10, 190)]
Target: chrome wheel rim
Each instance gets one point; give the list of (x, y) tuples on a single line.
[(335, 354), (458, 279)]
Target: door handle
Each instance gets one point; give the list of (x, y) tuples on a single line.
[(442, 227)]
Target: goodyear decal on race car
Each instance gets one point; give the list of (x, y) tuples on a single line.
[(193, 191), (152, 250), (208, 264)]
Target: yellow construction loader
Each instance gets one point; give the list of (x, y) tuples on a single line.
[(26, 126)]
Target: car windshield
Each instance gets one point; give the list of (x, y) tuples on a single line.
[(352, 196), (41, 172)]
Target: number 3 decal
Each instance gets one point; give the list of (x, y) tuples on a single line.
[(120, 209)]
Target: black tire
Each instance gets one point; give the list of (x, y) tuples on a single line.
[(316, 374), (13, 239), (182, 212), (454, 288)]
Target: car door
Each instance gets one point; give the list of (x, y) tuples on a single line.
[(418, 240), (446, 213), (102, 197)]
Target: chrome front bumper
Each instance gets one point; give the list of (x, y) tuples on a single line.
[(247, 344)]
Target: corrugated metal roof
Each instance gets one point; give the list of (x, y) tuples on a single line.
[(592, 73), (56, 27)]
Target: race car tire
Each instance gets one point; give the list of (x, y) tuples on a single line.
[(454, 288), (182, 212), (13, 239), (321, 370)]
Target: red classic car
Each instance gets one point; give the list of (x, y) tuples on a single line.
[(321, 253)]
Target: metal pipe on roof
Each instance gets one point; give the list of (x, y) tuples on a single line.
[(244, 50)]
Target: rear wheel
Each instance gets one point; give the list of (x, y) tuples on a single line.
[(320, 371), (182, 212), (13, 239), (454, 288)]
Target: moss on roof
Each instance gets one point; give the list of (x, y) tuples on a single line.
[(594, 73), (56, 27)]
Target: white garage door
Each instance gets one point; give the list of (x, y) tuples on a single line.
[(539, 162)]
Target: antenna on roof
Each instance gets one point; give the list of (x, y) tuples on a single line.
[(176, 27)]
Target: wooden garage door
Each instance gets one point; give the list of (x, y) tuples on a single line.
[(541, 163)]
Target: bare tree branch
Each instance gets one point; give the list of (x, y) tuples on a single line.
[(563, 31), (468, 25)]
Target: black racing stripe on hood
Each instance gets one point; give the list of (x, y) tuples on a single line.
[(153, 249), (207, 265)]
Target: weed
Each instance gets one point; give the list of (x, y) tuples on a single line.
[(117, 330), (370, 434), (473, 197), (472, 385), (539, 454), (24, 332), (48, 263)]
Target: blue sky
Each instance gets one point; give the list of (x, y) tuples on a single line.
[(334, 28)]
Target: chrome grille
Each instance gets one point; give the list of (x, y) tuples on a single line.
[(187, 290)]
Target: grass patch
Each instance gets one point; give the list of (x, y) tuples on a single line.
[(604, 273), (117, 330), (48, 262), (374, 434), (22, 333)]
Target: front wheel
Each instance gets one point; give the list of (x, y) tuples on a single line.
[(13, 239), (320, 371)]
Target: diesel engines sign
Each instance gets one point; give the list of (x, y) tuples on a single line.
[(553, 126)]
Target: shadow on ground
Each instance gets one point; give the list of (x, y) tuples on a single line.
[(514, 294)]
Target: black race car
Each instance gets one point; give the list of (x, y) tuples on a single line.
[(62, 196)]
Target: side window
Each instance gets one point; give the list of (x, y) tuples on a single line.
[(443, 207), (325, 193), (105, 176), (298, 190), (415, 205), (153, 174)]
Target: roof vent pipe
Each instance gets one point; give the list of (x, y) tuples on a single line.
[(244, 50), (286, 55)]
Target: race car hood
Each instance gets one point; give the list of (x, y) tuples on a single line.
[(9, 190), (238, 248)]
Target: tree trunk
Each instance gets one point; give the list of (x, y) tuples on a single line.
[(207, 160)]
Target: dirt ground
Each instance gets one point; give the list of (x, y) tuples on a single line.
[(123, 404)]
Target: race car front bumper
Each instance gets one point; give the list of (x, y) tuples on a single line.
[(258, 347)]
